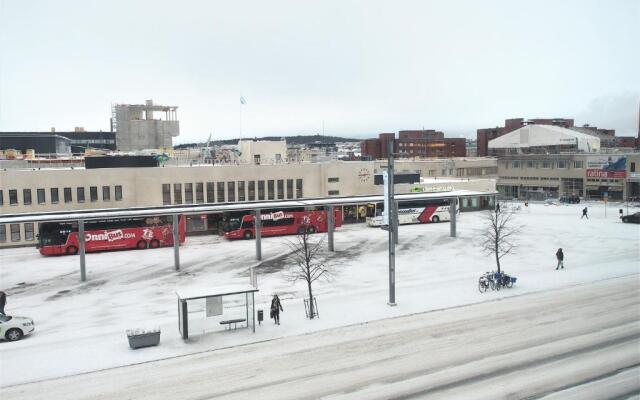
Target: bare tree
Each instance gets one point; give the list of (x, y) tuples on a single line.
[(500, 234), (308, 267)]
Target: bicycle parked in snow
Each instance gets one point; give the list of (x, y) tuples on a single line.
[(495, 281)]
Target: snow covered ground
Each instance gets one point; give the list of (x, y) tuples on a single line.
[(80, 327)]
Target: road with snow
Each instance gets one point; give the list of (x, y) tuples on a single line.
[(576, 342)]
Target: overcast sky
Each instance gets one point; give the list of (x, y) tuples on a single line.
[(362, 67)]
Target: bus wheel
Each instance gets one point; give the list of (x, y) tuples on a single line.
[(247, 235), (311, 229), (71, 250), (435, 218), (154, 244), (141, 245)]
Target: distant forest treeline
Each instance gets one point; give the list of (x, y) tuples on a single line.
[(300, 139)]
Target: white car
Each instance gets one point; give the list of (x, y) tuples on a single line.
[(14, 328)]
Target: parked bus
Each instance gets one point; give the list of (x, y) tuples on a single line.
[(278, 223), (58, 238), (412, 212)]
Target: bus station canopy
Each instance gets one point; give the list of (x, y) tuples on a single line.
[(185, 209)]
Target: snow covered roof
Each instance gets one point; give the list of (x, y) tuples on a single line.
[(200, 293), (545, 135)]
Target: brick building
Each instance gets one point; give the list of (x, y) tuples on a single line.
[(414, 143)]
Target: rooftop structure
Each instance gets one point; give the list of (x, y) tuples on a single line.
[(138, 127)]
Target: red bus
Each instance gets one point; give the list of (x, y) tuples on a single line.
[(58, 238), (281, 223)]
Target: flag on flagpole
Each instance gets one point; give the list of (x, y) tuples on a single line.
[(242, 100)]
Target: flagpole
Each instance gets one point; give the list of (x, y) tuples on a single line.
[(240, 116)]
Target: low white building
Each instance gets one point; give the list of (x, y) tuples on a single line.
[(544, 139)]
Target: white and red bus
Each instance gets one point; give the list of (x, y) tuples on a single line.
[(412, 212), (58, 238), (278, 223)]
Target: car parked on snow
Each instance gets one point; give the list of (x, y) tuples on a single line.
[(570, 199), (15, 328), (633, 218)]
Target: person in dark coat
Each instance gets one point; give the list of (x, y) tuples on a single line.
[(497, 207), (276, 307), (560, 257), (584, 213), (3, 301)]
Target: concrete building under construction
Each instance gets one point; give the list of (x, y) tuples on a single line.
[(141, 126)]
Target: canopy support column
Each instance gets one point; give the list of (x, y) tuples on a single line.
[(176, 241), (452, 212), (330, 226), (81, 250), (258, 226)]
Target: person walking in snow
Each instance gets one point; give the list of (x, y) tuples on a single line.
[(497, 207), (584, 213), (560, 257), (276, 307)]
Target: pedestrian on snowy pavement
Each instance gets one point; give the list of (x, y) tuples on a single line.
[(560, 257), (584, 213), (276, 307), (3, 301), (497, 207)]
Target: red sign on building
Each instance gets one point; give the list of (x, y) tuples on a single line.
[(600, 173)]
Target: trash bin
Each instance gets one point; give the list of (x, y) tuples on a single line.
[(141, 338), (260, 316)]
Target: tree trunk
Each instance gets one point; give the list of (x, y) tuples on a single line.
[(497, 256), (311, 308)]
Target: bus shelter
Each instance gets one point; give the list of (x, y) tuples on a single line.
[(230, 307)]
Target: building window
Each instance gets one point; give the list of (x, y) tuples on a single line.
[(334, 192), (241, 196), (28, 231), (199, 192), (210, 192), (289, 188), (15, 232), (220, 190), (13, 197), (3, 233), (299, 191), (256, 159), (632, 167), (280, 189), (188, 193), (118, 189), (67, 195), (562, 164), (334, 179), (252, 190), (1, 197), (546, 164), (270, 189), (231, 191), (26, 197), (54, 196), (177, 193), (260, 190), (516, 164), (79, 195), (106, 193), (41, 196), (166, 194), (93, 193), (531, 164)]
